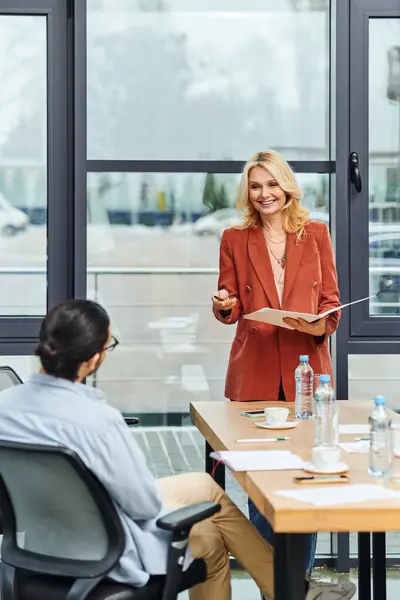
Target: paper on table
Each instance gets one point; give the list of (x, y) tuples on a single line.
[(353, 429), (275, 317), (259, 460), (355, 447), (341, 494)]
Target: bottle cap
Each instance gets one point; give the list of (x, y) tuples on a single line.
[(324, 378), (304, 358), (379, 400)]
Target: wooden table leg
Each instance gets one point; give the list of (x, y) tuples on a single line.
[(289, 566), (364, 566), (379, 565)]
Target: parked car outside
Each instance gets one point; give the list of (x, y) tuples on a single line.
[(12, 220), (214, 223)]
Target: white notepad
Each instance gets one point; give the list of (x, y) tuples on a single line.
[(275, 317), (259, 460), (340, 494)]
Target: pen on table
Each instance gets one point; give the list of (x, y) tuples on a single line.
[(363, 439), (278, 439)]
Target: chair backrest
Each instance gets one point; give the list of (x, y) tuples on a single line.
[(65, 520), (8, 378)]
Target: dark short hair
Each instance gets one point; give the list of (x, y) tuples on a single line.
[(70, 334)]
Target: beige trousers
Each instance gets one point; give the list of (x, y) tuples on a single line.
[(212, 539)]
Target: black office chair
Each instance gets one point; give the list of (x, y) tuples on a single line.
[(131, 420), (8, 378), (72, 534)]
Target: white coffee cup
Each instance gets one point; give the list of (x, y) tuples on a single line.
[(276, 415), (325, 457)]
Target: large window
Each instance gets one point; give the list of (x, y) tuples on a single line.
[(23, 165), (153, 246), (180, 94), (384, 166), (207, 80)]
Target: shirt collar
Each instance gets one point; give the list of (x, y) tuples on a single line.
[(77, 388)]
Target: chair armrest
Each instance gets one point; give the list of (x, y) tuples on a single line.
[(179, 522), (184, 518), (131, 420)]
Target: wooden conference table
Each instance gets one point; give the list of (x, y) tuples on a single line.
[(221, 424)]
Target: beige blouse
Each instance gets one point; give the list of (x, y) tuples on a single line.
[(279, 276)]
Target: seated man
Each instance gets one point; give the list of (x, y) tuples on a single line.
[(54, 407)]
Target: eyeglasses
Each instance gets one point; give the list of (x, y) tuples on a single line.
[(114, 343)]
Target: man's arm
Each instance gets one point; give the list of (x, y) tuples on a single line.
[(121, 467)]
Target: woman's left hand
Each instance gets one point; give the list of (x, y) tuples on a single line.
[(317, 328)]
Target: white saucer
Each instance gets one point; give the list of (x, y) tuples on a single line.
[(287, 425), (340, 467)]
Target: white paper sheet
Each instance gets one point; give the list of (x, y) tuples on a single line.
[(353, 428), (275, 317), (332, 495), (355, 447), (259, 460)]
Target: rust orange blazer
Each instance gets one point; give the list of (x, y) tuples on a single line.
[(263, 355)]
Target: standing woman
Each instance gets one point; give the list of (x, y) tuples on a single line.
[(276, 258)]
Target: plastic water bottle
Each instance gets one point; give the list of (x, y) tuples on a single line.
[(304, 376), (326, 428), (380, 444)]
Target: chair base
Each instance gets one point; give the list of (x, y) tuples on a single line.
[(42, 587)]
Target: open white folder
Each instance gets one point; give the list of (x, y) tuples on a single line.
[(275, 317), (259, 460)]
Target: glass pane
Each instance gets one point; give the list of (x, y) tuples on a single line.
[(182, 72), (23, 165), (153, 247), (371, 375), (384, 166)]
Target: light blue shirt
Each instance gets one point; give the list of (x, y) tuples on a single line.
[(49, 410)]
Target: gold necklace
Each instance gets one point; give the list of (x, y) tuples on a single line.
[(273, 242), (279, 279), (281, 260), (279, 241)]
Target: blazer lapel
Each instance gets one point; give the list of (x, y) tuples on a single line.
[(261, 262), (294, 252)]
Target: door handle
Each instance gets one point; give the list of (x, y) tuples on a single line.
[(355, 176)]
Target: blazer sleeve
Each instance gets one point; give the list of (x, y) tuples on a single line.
[(228, 281), (330, 297)]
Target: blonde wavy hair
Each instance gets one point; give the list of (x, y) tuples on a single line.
[(294, 215)]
